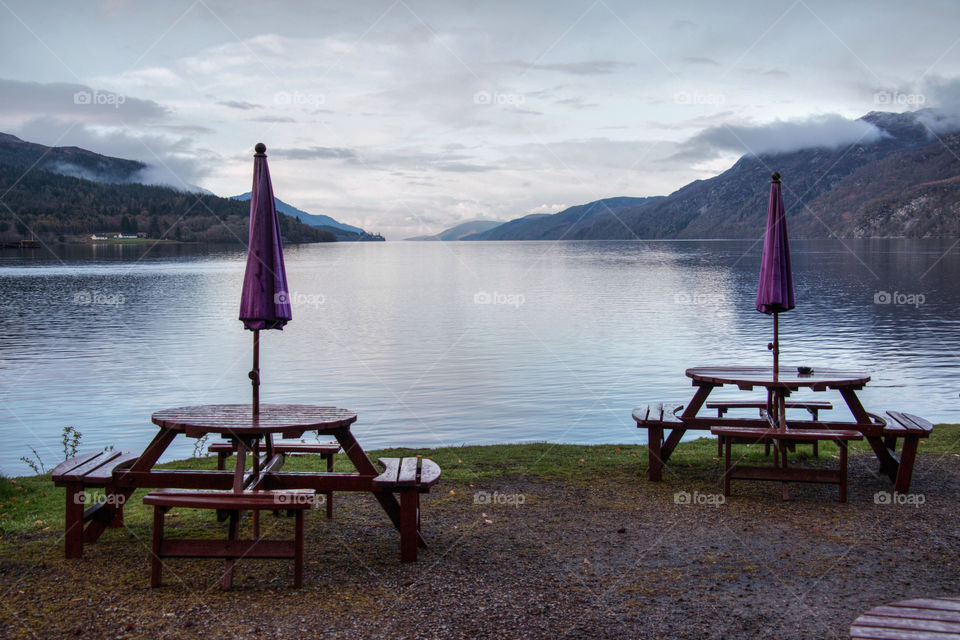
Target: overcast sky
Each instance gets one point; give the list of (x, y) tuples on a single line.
[(408, 117)]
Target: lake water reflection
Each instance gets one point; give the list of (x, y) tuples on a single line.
[(448, 343)]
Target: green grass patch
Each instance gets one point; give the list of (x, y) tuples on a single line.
[(31, 506)]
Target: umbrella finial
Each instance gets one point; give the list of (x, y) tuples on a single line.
[(261, 149), (776, 176)]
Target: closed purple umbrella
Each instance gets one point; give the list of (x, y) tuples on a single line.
[(775, 291), (265, 301)]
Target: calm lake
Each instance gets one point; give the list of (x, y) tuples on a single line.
[(438, 344)]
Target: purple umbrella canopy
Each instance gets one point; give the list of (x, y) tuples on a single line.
[(265, 300), (775, 291)]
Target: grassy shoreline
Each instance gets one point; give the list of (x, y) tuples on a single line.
[(32, 509), (581, 546)]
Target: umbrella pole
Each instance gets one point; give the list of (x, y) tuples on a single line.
[(776, 345), (255, 372)]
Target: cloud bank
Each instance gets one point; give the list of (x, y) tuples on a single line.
[(780, 136)]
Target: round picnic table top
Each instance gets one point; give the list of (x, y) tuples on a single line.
[(788, 378), (910, 620), (289, 420)]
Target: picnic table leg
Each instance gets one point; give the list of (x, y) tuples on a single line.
[(726, 464), (670, 443), (408, 524), (697, 401), (227, 581), (298, 551), (785, 445), (843, 470), (156, 566), (888, 464), (907, 457), (781, 447), (654, 461), (154, 450), (241, 466), (363, 465), (113, 496), (329, 493), (73, 529)]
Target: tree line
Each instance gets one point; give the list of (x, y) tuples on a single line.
[(39, 204)]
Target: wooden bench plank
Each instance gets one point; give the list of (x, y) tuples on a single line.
[(429, 473), (229, 500), (789, 474), (804, 435), (871, 633), (79, 473), (658, 413), (105, 474), (939, 604), (69, 465), (408, 472), (390, 473), (813, 406), (94, 469), (911, 423), (184, 548), (900, 611), (761, 404), (916, 624), (283, 447)]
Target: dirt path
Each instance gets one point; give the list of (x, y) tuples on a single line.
[(526, 558)]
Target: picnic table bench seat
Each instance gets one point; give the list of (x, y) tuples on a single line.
[(739, 435), (813, 407), (91, 470), (227, 448), (233, 548), (326, 451), (918, 619), (655, 418), (910, 428), (659, 413), (409, 477)]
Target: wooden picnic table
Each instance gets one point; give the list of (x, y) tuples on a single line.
[(397, 487), (236, 422), (919, 619), (667, 424)]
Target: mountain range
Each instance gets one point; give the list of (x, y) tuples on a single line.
[(114, 188), (69, 161), (343, 232), (462, 230), (904, 184)]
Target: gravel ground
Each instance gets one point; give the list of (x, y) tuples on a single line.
[(610, 558)]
